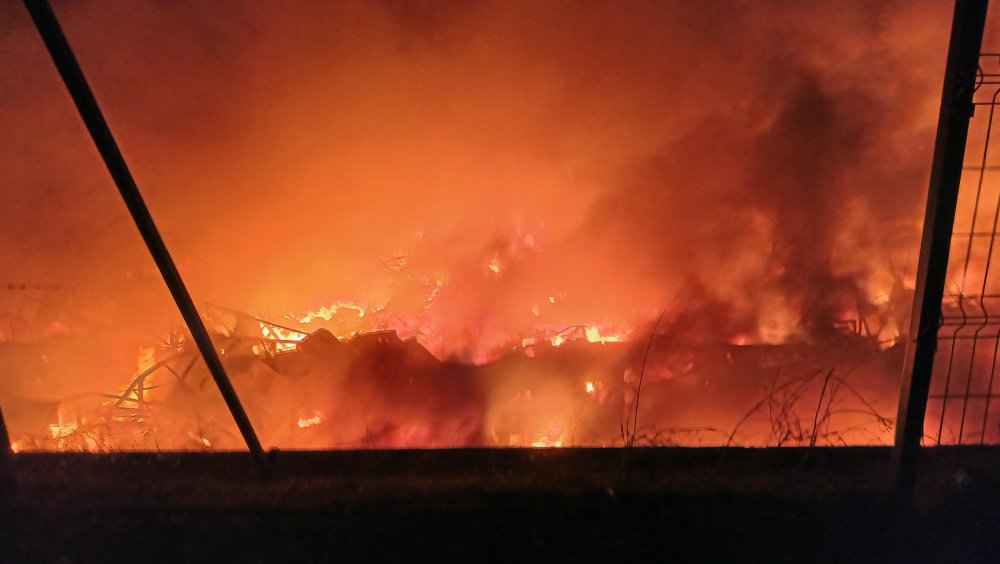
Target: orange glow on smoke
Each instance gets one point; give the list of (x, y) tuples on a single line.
[(419, 236)]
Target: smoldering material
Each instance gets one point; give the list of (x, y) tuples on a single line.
[(743, 165)]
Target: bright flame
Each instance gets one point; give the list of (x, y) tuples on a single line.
[(554, 438), (63, 429), (593, 332), (285, 340), (881, 298), (204, 442), (594, 335), (310, 421), (326, 313), (547, 442)]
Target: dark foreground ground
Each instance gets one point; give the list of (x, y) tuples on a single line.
[(509, 505)]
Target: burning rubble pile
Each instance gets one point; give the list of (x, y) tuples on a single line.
[(378, 391), (349, 376), (597, 226)]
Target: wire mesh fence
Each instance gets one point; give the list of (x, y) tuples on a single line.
[(964, 400)]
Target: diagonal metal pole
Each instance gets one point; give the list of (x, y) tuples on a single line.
[(946, 173), (8, 474), (69, 69)]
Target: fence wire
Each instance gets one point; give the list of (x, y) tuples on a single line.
[(964, 400)]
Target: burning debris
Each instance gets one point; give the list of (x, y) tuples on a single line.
[(533, 218), (391, 371), (574, 388)]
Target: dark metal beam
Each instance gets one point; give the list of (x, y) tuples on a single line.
[(69, 69), (8, 474), (967, 26)]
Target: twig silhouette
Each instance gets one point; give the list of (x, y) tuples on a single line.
[(630, 440)]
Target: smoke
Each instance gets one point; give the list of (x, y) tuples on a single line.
[(735, 160)]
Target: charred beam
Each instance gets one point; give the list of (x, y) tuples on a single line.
[(72, 75), (956, 110)]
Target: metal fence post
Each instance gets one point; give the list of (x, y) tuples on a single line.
[(69, 69), (967, 27)]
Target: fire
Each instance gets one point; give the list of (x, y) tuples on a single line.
[(739, 340), (430, 298), (555, 437), (146, 361), (601, 333), (305, 422), (201, 440), (881, 298), (63, 429), (779, 321), (594, 335), (547, 442), (284, 340), (326, 313)]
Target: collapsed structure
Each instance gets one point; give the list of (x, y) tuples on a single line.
[(376, 390), (779, 344)]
